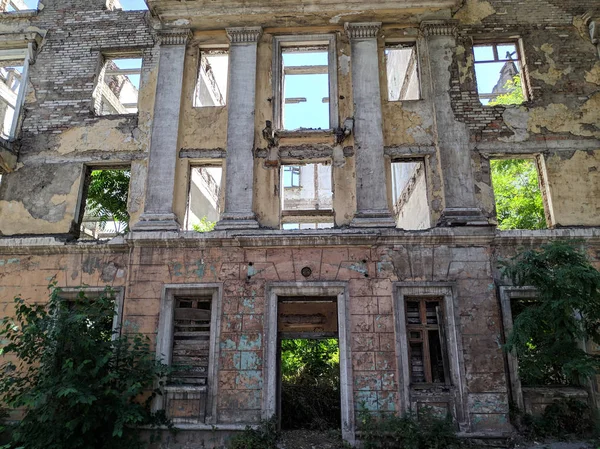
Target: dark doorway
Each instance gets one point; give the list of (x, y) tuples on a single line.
[(308, 363)]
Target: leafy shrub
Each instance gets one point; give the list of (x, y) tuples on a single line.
[(547, 334), (427, 431), (265, 436), (310, 393), (560, 419), (81, 386)]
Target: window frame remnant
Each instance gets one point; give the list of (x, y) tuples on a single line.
[(294, 171), (164, 350), (413, 69), (454, 392), (103, 94), (420, 334), (10, 58), (206, 73), (518, 60), (280, 43), (508, 294)]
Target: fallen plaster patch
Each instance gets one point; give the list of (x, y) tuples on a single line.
[(474, 11), (560, 119), (593, 76), (104, 135), (516, 120), (344, 62), (553, 74), (465, 71)]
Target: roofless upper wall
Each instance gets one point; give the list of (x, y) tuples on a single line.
[(208, 14)]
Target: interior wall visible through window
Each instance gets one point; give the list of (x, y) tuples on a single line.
[(409, 193), (204, 198), (211, 84), (402, 71), (117, 90), (498, 69)]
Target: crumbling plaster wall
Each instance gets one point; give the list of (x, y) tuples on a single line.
[(561, 114), (60, 132)]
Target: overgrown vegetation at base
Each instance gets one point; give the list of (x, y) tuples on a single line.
[(547, 334), (564, 418), (388, 431), (265, 436), (310, 392), (81, 386), (519, 203)]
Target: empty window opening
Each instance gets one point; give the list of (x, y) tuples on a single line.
[(204, 198), (18, 5), (188, 383), (211, 85), (105, 212), (118, 88), (409, 193), (305, 88), (306, 187), (309, 362), (127, 5), (517, 193), (426, 341), (498, 69), (402, 72), (11, 82)]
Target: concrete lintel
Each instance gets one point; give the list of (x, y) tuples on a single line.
[(373, 219), (467, 216), (157, 222)]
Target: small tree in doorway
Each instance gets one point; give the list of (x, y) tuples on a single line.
[(80, 385), (547, 335)]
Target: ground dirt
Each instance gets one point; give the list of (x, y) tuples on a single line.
[(310, 439)]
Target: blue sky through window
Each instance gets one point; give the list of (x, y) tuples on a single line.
[(313, 113), (133, 5), (133, 63)]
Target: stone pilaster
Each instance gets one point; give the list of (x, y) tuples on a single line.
[(452, 136), (372, 208), (160, 185), (239, 163)]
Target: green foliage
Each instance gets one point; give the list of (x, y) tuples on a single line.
[(81, 386), (427, 431), (514, 94), (547, 334), (519, 203), (563, 418), (107, 197), (205, 225), (265, 436), (310, 393)]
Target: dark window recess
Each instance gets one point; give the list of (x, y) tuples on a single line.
[(427, 342), (191, 341)]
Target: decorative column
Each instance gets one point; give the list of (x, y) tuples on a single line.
[(371, 193), (241, 99), (452, 135), (160, 186)]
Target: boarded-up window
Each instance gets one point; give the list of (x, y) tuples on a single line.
[(427, 342), (191, 341)]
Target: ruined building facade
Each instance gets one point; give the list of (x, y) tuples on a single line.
[(367, 214)]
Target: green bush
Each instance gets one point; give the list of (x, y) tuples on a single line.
[(427, 431), (265, 436), (547, 335), (81, 386)]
